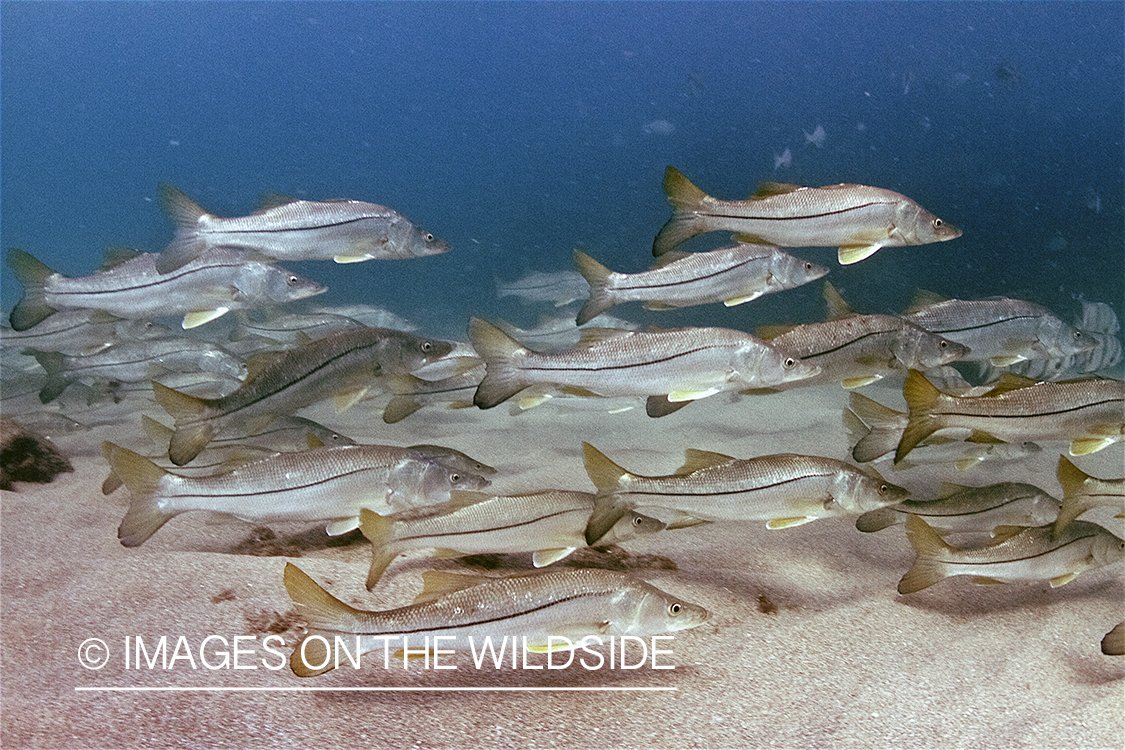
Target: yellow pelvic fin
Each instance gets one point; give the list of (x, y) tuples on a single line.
[(197, 318), (1085, 445), (785, 523)]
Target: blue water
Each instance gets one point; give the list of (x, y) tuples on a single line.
[(517, 131)]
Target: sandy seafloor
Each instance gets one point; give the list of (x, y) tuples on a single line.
[(809, 644)]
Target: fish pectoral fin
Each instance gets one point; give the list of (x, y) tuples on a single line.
[(544, 557), (352, 258), (1062, 580), (979, 436), (732, 301), (686, 521), (854, 253), (342, 526), (1091, 444), (445, 553), (348, 399), (692, 394), (859, 381), (196, 318), (785, 523)]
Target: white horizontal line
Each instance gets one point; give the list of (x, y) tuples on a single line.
[(220, 689)]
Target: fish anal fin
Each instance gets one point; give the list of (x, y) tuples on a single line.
[(986, 581), (1086, 445), (860, 381)]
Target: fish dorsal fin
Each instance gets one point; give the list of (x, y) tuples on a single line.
[(922, 299), (593, 336), (767, 188), (256, 362), (695, 459), (439, 583), (769, 333), (669, 258), (270, 201), (948, 489), (115, 256), (837, 307), (1010, 381)]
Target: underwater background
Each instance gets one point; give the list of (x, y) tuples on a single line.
[(517, 131)]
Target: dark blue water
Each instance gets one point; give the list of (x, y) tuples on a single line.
[(517, 131)]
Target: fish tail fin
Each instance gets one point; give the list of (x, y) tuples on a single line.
[(188, 440), (325, 614), (921, 396), (33, 308), (928, 568), (878, 429), (608, 507), (597, 276), (501, 379), (142, 478), (159, 433), (685, 199), (186, 245), (1072, 479), (379, 530), (56, 382)]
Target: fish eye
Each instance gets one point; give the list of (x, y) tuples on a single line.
[(427, 346), (636, 520), (789, 363), (937, 223), (455, 477), (943, 345), (808, 266), (428, 237), (292, 281), (884, 489), (675, 608)]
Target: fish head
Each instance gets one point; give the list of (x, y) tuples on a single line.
[(862, 491), (416, 352), (787, 272), (438, 480), (1107, 549), (760, 364), (630, 525), (660, 612), (276, 284), (412, 241), (1057, 339), (223, 363), (921, 350), (917, 226)]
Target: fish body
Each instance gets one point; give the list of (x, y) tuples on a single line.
[(557, 288), (136, 361), (329, 484), (345, 231), (342, 364), (859, 349), (550, 523), (1002, 331), (292, 329), (561, 333), (202, 290), (568, 604), (1032, 554), (1082, 493), (857, 218), (1089, 413), (731, 275), (69, 332), (1101, 329), (683, 364), (970, 509), (785, 489)]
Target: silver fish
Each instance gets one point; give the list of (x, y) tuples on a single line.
[(1029, 554), (558, 288), (1001, 330), (345, 231), (294, 328), (732, 275), (371, 316), (859, 349), (969, 509), (1089, 413), (550, 523), (135, 361), (570, 604), (785, 489), (342, 364), (682, 364), (69, 332), (1082, 492), (204, 289), (857, 218), (561, 333), (328, 484)]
